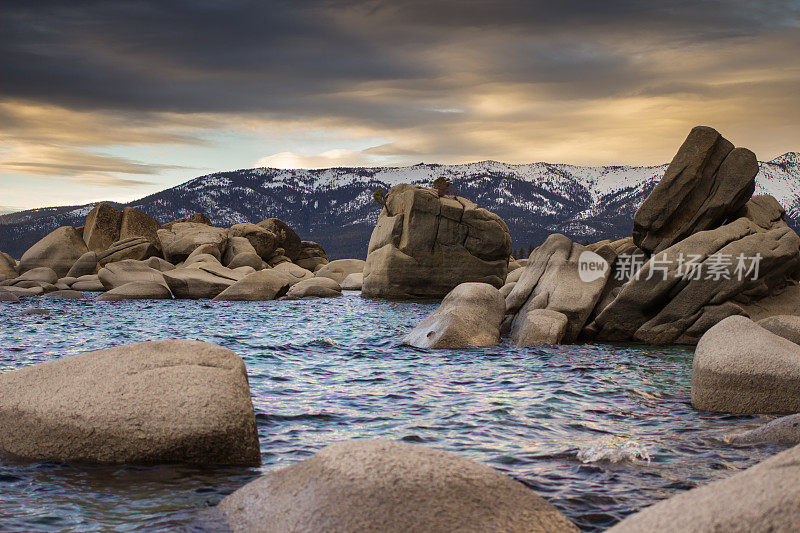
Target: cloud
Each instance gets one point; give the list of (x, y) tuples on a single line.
[(330, 158), (77, 165)]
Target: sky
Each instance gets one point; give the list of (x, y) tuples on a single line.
[(114, 100)]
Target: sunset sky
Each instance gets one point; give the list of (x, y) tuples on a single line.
[(116, 100)]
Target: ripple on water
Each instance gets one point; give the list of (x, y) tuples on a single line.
[(322, 371)]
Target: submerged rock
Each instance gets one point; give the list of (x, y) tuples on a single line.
[(740, 367), (66, 295), (6, 296), (784, 430), (423, 246), (470, 315), (765, 497), (174, 401), (373, 485)]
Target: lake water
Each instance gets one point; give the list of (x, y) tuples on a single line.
[(323, 371)]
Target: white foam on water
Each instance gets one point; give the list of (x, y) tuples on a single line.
[(614, 450)]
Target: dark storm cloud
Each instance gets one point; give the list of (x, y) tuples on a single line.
[(313, 59)]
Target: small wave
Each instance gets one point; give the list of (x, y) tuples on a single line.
[(613, 450)]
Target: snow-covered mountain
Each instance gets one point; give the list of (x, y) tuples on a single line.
[(334, 206)]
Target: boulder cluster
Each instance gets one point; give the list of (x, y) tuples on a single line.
[(425, 244), (702, 249), (129, 255)]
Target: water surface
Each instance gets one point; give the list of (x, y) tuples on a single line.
[(323, 371)]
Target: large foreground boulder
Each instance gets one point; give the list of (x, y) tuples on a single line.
[(170, 401), (560, 276), (424, 245), (765, 497), (470, 315), (182, 238), (59, 250), (740, 367), (102, 227), (371, 485), (707, 181)]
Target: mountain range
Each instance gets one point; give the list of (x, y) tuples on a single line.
[(335, 208)]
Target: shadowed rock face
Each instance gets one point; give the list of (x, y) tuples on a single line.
[(150, 402), (765, 497), (423, 246), (285, 237), (707, 181), (102, 227), (372, 485)]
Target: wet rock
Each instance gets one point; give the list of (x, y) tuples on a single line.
[(102, 227), (85, 265), (423, 246), (786, 326), (58, 250), (137, 290), (553, 280), (6, 296), (740, 367), (470, 315), (314, 287), (539, 327), (353, 282), (373, 485), (765, 497), (339, 269), (285, 237), (707, 181), (35, 311), (183, 238), (172, 401), (784, 431), (117, 274)]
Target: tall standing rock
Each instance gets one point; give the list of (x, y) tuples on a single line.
[(102, 227), (423, 246), (707, 181), (138, 224), (59, 250)]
